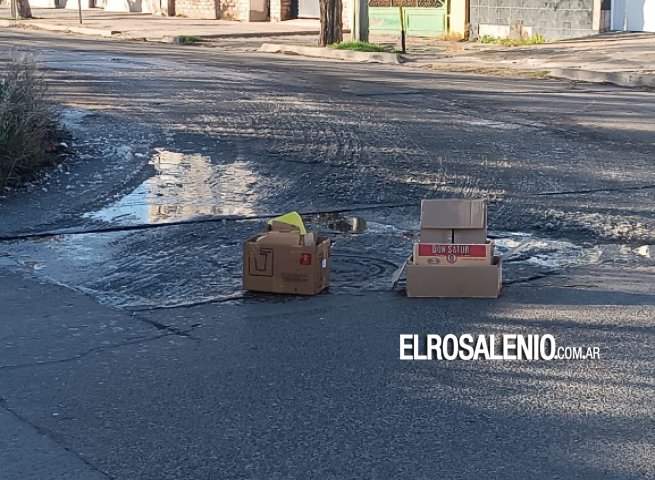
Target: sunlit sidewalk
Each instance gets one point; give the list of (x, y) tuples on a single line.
[(139, 25)]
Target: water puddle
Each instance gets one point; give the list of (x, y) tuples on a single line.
[(7, 260), (553, 253), (186, 187), (537, 251)]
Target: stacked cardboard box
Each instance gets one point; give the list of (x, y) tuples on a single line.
[(453, 257), (286, 259)]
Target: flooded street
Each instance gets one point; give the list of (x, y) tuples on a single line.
[(189, 264), (129, 347), (217, 188)]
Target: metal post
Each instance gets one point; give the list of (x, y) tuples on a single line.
[(354, 31), (360, 21), (402, 27), (79, 10)]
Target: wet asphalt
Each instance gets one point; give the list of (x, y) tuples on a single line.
[(130, 350)]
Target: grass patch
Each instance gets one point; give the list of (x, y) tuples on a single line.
[(539, 74), (27, 123), (362, 47), (513, 42), (188, 39)]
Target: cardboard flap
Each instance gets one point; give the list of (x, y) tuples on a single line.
[(397, 274), (453, 214)]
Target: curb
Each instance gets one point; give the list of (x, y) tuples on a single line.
[(622, 79), (164, 39), (59, 28), (81, 30), (333, 54), (177, 39), (258, 34)]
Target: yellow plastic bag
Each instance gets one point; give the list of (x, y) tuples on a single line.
[(293, 219)]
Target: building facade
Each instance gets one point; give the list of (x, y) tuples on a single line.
[(241, 10), (552, 19)]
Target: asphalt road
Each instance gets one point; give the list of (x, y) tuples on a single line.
[(133, 354)]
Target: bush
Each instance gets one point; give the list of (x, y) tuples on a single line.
[(27, 123)]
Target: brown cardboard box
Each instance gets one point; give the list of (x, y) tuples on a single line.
[(452, 254), (453, 221), (436, 235), (467, 281), (461, 235), (286, 268)]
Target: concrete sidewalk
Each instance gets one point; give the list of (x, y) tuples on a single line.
[(135, 26), (626, 59)]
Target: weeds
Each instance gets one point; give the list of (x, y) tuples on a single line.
[(362, 47), (27, 123), (451, 37), (188, 39), (513, 42), (539, 73)]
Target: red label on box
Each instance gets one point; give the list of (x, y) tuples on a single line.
[(305, 259), (451, 249)]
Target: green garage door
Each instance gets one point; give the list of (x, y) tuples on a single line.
[(423, 18)]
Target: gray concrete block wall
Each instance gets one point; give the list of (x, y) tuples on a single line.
[(214, 9), (206, 9), (554, 19)]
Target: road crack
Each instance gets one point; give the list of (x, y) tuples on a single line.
[(45, 433), (86, 353)]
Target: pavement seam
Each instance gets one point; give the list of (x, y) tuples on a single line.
[(45, 433), (225, 218), (199, 303), (598, 190)]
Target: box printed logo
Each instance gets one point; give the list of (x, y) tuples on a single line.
[(305, 259), (261, 264)]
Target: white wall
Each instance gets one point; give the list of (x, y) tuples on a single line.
[(40, 3), (633, 15), (649, 16)]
